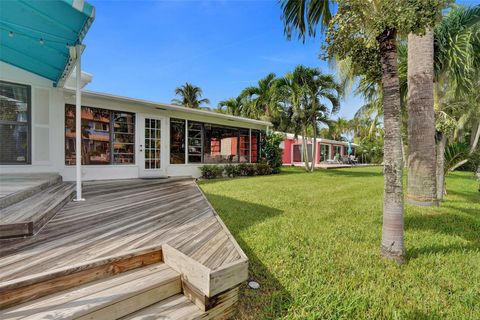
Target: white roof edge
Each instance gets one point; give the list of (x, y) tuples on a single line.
[(171, 107), (292, 136)]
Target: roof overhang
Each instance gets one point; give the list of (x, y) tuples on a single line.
[(37, 35), (291, 136), (164, 106)]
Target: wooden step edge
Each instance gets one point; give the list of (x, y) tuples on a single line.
[(16, 230), (135, 302), (53, 209), (28, 228), (176, 307), (21, 195), (209, 282), (179, 307), (35, 286)]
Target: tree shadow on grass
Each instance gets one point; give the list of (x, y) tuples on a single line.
[(352, 172), (472, 196), (271, 300), (464, 226)]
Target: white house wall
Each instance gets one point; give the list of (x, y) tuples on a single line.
[(48, 130)]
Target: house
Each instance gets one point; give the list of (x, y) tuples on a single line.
[(133, 248), (122, 137), (327, 150)]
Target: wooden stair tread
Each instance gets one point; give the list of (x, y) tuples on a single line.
[(108, 298), (177, 307), (28, 209), (17, 187), (30, 215)]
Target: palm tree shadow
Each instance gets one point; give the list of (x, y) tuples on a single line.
[(461, 225), (272, 298)]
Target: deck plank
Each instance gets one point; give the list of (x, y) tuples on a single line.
[(120, 216)]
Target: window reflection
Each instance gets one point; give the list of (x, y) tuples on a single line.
[(14, 123)]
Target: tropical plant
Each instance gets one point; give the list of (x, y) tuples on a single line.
[(190, 96), (307, 94), (261, 100), (303, 16), (366, 33), (233, 106), (272, 151), (457, 73)]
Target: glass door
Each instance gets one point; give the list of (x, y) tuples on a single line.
[(151, 147)]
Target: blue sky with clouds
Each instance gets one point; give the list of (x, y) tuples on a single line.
[(144, 49)]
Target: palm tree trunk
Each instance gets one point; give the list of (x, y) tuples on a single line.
[(440, 164), (392, 229), (314, 148), (304, 151), (404, 153), (422, 185)]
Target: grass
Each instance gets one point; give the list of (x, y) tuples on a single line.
[(313, 241)]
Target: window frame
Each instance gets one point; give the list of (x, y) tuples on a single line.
[(29, 124), (111, 135), (237, 136)]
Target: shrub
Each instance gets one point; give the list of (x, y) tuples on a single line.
[(263, 168), (231, 170), (247, 169), (211, 171), (272, 151)]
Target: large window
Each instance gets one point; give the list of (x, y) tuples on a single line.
[(209, 143), (244, 145), (221, 144), (195, 142), (14, 123), (298, 152), (324, 152), (177, 141), (108, 137), (256, 142), (337, 151)]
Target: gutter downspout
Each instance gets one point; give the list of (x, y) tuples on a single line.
[(78, 123)]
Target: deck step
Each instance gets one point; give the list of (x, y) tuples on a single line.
[(177, 307), (16, 187), (109, 298), (26, 217)]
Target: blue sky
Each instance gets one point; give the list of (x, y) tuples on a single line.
[(144, 49)]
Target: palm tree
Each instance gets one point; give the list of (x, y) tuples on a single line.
[(304, 16), (190, 96), (456, 66), (307, 93), (233, 106), (421, 183), (262, 100), (338, 128)]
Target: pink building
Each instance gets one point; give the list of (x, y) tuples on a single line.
[(327, 150)]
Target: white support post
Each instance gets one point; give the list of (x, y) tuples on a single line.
[(78, 123)]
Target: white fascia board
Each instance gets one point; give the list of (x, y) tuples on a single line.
[(164, 106)]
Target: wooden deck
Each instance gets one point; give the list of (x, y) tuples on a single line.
[(16, 187), (121, 217)]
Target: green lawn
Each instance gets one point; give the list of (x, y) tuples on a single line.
[(313, 241)]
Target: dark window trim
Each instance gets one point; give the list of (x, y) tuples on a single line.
[(29, 124)]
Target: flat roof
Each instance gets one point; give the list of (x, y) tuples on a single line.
[(291, 136), (166, 106)]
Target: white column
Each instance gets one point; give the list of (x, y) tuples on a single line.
[(78, 123)]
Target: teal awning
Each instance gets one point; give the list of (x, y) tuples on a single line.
[(36, 35)]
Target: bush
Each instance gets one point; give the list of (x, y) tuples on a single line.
[(247, 169), (211, 171), (273, 152), (263, 169), (231, 170)]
